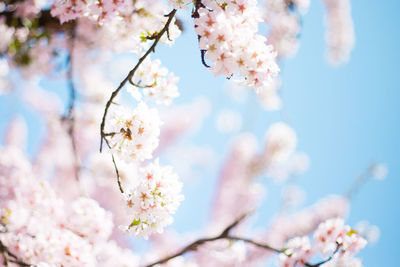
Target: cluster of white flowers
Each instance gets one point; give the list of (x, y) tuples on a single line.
[(156, 83), (39, 228), (334, 232), (332, 238), (227, 31), (96, 9), (127, 30), (152, 201), (134, 134), (297, 251), (91, 221), (340, 30)]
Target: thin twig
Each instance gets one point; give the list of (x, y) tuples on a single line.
[(142, 86), (117, 172), (324, 261)]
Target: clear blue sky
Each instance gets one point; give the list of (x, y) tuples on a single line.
[(344, 118)]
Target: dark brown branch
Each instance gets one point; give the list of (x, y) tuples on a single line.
[(324, 261), (131, 73), (197, 6), (8, 256), (225, 234)]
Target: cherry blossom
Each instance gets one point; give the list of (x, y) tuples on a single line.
[(228, 35), (152, 201), (134, 134)]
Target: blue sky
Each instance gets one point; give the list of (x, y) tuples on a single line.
[(344, 117)]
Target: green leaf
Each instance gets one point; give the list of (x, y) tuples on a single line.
[(134, 223)]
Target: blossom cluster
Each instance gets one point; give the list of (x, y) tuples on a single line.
[(152, 201), (154, 194), (41, 229), (134, 134), (332, 237), (96, 9), (228, 34), (155, 82)]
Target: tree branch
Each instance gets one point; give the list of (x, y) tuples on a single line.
[(10, 257), (225, 234)]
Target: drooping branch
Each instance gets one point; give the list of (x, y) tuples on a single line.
[(129, 77), (193, 246), (118, 177)]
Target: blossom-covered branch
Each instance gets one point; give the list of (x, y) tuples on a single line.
[(129, 77)]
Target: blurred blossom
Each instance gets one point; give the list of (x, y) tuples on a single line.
[(293, 196), (5, 85), (379, 171), (222, 253), (191, 160), (300, 163), (228, 121), (235, 91), (281, 142), (268, 96), (340, 30), (17, 133), (368, 231)]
